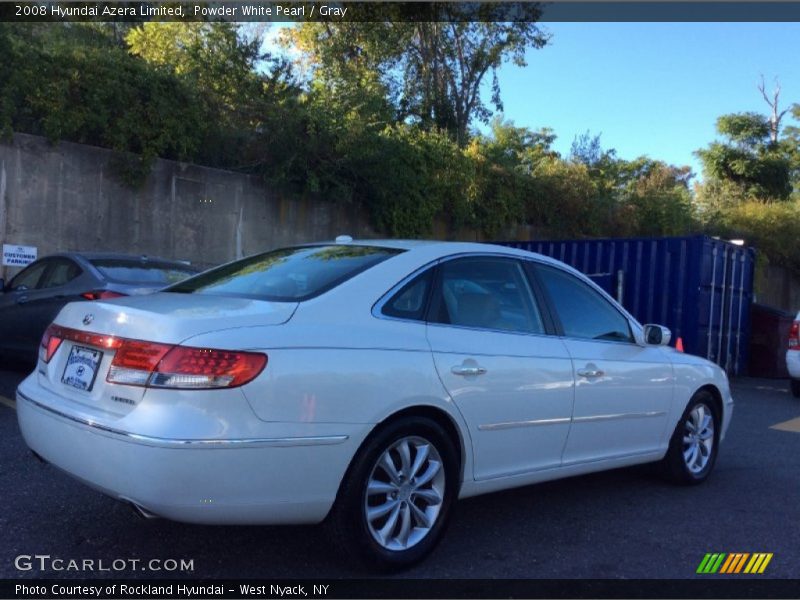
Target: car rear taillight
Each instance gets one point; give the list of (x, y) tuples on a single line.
[(55, 334), (182, 367), (101, 295), (794, 336), (185, 367), (151, 364), (50, 343), (135, 361)]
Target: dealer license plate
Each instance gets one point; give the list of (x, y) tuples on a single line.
[(81, 368)]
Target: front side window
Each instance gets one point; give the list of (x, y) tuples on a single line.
[(287, 275), (29, 278), (486, 293), (582, 311)]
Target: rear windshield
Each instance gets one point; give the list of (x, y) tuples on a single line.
[(132, 271), (287, 275)]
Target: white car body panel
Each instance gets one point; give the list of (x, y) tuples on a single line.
[(518, 412), (624, 411), (275, 450)]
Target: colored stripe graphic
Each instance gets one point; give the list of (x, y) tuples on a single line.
[(711, 563), (703, 563), (734, 563), (729, 564), (758, 563)]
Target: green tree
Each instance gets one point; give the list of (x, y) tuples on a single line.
[(748, 159), (791, 146), (70, 83), (212, 54), (430, 72), (656, 199), (254, 118)]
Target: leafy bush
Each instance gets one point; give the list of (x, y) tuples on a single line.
[(772, 228)]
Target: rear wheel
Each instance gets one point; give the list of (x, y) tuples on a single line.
[(395, 501), (693, 447), (794, 384)]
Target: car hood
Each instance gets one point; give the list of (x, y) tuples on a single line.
[(171, 317)]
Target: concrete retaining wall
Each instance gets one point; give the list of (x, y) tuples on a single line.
[(65, 197), (776, 286)]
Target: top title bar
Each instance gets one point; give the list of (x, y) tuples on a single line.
[(558, 11)]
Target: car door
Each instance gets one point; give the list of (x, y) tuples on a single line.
[(13, 302), (35, 300), (623, 390), (511, 381), (52, 293)]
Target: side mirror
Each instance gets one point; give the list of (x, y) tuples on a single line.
[(657, 335)]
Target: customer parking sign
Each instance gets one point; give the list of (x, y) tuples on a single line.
[(18, 256)]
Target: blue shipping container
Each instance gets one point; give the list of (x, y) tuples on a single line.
[(699, 287)]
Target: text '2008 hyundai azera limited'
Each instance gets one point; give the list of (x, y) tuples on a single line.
[(367, 384)]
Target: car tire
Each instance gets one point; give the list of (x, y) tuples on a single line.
[(380, 517), (794, 385), (695, 442)]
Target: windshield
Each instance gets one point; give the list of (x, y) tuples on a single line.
[(286, 275), (140, 272)]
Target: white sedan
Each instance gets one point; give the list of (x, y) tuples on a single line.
[(368, 384)]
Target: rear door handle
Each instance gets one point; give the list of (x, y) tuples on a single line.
[(467, 370), (22, 300), (590, 373)]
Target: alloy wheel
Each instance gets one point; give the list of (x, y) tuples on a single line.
[(698, 438), (404, 494)]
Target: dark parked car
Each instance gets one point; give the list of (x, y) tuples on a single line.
[(33, 298)]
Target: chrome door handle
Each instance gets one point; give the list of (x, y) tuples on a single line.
[(590, 373), (466, 371)]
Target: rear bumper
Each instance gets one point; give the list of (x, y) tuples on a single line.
[(259, 480)]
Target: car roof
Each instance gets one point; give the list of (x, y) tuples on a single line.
[(384, 243), (139, 258), (446, 248)]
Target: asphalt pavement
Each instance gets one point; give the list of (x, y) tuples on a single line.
[(626, 523)]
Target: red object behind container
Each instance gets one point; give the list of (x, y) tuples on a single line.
[(769, 341)]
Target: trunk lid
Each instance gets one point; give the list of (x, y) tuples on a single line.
[(166, 318)]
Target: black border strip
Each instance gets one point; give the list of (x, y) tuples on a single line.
[(737, 586), (275, 11)]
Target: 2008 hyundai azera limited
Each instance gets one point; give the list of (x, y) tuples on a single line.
[(368, 384)]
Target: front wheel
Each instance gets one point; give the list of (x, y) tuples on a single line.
[(693, 447), (395, 501)]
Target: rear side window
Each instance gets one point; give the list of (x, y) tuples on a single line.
[(287, 275), (60, 272), (410, 302), (583, 312), (131, 271)]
